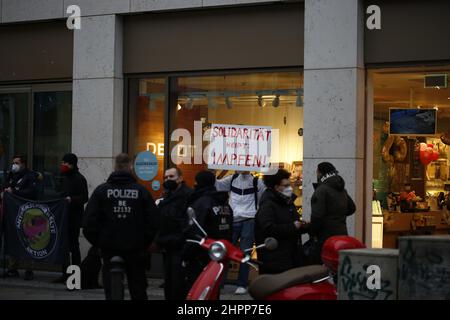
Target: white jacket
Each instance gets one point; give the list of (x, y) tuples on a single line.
[(243, 205)]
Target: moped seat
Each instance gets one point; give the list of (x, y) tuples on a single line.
[(268, 284)]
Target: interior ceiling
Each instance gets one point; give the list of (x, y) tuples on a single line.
[(400, 88), (242, 88)]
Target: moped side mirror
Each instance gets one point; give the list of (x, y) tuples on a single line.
[(271, 243), (191, 215), (192, 220)]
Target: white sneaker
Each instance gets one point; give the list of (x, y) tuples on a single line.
[(240, 291)]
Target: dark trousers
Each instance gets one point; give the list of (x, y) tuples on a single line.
[(134, 267), (174, 276), (74, 254)]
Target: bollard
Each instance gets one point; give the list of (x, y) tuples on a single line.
[(354, 279), (424, 267), (117, 278)]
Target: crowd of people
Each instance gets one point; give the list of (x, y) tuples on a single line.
[(122, 219)]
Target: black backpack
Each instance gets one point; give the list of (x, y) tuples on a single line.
[(255, 187)]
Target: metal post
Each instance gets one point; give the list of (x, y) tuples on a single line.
[(117, 278)]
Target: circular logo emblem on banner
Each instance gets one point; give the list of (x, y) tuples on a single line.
[(146, 166), (37, 229), (156, 185)]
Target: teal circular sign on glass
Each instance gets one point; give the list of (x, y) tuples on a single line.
[(146, 166), (156, 185)]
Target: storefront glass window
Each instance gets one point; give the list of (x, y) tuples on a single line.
[(412, 150), (273, 99), (14, 124), (146, 123), (52, 136)]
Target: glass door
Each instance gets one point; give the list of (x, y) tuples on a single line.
[(52, 133), (14, 126)]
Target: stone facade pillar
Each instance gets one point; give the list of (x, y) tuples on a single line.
[(334, 98), (97, 96)]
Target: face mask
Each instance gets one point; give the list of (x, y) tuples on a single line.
[(288, 192), (15, 168), (64, 168), (170, 185)]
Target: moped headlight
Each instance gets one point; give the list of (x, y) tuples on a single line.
[(217, 251)]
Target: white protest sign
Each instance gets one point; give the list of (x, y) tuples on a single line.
[(240, 147)]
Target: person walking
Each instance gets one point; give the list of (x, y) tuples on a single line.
[(277, 217), (21, 182), (170, 236), (245, 191), (75, 190), (330, 207), (120, 220)]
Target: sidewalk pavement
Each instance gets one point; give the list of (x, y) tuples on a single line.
[(42, 288)]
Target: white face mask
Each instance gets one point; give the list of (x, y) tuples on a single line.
[(288, 191), (15, 168)]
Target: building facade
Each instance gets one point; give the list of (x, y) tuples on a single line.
[(137, 70)]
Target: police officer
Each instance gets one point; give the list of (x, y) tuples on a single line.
[(120, 221), (213, 214), (21, 182)]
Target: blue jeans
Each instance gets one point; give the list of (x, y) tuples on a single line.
[(244, 232)]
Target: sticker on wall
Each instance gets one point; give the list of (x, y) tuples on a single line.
[(156, 185), (146, 165)]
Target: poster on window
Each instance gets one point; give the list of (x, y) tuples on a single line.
[(240, 147)]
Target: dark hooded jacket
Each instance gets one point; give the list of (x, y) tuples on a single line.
[(275, 218), (120, 216), (330, 206), (74, 185), (172, 219), (213, 214)]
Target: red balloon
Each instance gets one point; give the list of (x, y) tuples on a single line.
[(425, 153)]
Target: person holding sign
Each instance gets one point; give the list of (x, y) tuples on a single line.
[(245, 192), (21, 182)]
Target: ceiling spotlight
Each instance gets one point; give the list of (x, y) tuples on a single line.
[(261, 102), (299, 101), (189, 103), (276, 101), (228, 102), (211, 102), (179, 107)]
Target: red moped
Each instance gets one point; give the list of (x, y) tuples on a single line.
[(313, 282), (221, 252)]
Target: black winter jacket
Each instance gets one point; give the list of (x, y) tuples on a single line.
[(120, 216), (172, 219), (213, 214), (23, 184), (330, 206), (275, 218), (74, 185)]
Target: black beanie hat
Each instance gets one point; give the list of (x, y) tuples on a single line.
[(70, 158), (205, 179), (325, 168)]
